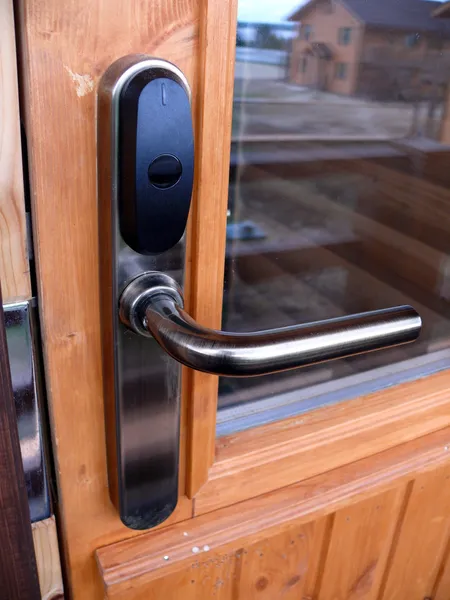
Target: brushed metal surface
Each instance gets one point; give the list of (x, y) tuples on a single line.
[(141, 383), (252, 354), (146, 334), (20, 338)]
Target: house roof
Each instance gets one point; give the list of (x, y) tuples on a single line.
[(443, 10), (407, 15), (320, 50)]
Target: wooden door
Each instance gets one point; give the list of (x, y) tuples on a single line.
[(348, 499)]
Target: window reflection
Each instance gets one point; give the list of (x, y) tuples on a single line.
[(339, 185)]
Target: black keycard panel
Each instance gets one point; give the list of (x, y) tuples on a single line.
[(156, 163)]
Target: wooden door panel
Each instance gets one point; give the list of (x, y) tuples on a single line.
[(442, 586), (284, 565), (359, 547), (307, 562), (423, 537), (365, 531)]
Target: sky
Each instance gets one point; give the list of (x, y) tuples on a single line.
[(270, 11), (267, 11)]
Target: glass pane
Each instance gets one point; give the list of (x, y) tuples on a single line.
[(339, 189)]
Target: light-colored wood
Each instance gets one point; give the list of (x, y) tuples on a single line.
[(423, 539), (140, 563), (266, 458), (209, 217), (65, 48), (45, 540), (14, 266), (359, 547)]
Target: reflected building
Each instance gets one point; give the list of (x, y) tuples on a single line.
[(379, 49)]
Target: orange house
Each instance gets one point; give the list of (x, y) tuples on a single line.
[(382, 49)]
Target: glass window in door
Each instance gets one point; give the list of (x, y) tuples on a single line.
[(339, 194)]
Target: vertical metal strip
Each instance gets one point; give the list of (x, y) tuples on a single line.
[(141, 383), (21, 339)]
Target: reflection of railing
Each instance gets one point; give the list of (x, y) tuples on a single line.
[(324, 117), (396, 213), (407, 59), (310, 137), (381, 55), (277, 400), (261, 56), (395, 219)]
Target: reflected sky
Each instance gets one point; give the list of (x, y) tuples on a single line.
[(267, 10)]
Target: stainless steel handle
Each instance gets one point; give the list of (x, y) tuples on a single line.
[(152, 304), (142, 216)]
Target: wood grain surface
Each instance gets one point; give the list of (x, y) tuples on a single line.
[(422, 540), (359, 546), (441, 590), (65, 48), (14, 266), (209, 218), (367, 502), (272, 456), (299, 550), (18, 572), (45, 539)]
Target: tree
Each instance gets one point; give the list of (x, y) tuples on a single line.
[(263, 35), (240, 40)]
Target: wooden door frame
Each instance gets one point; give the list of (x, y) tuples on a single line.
[(64, 51), (220, 472)]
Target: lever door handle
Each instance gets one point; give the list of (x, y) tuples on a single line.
[(152, 304), (145, 146)]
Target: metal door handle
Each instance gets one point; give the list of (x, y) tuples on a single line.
[(145, 176), (152, 304)]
